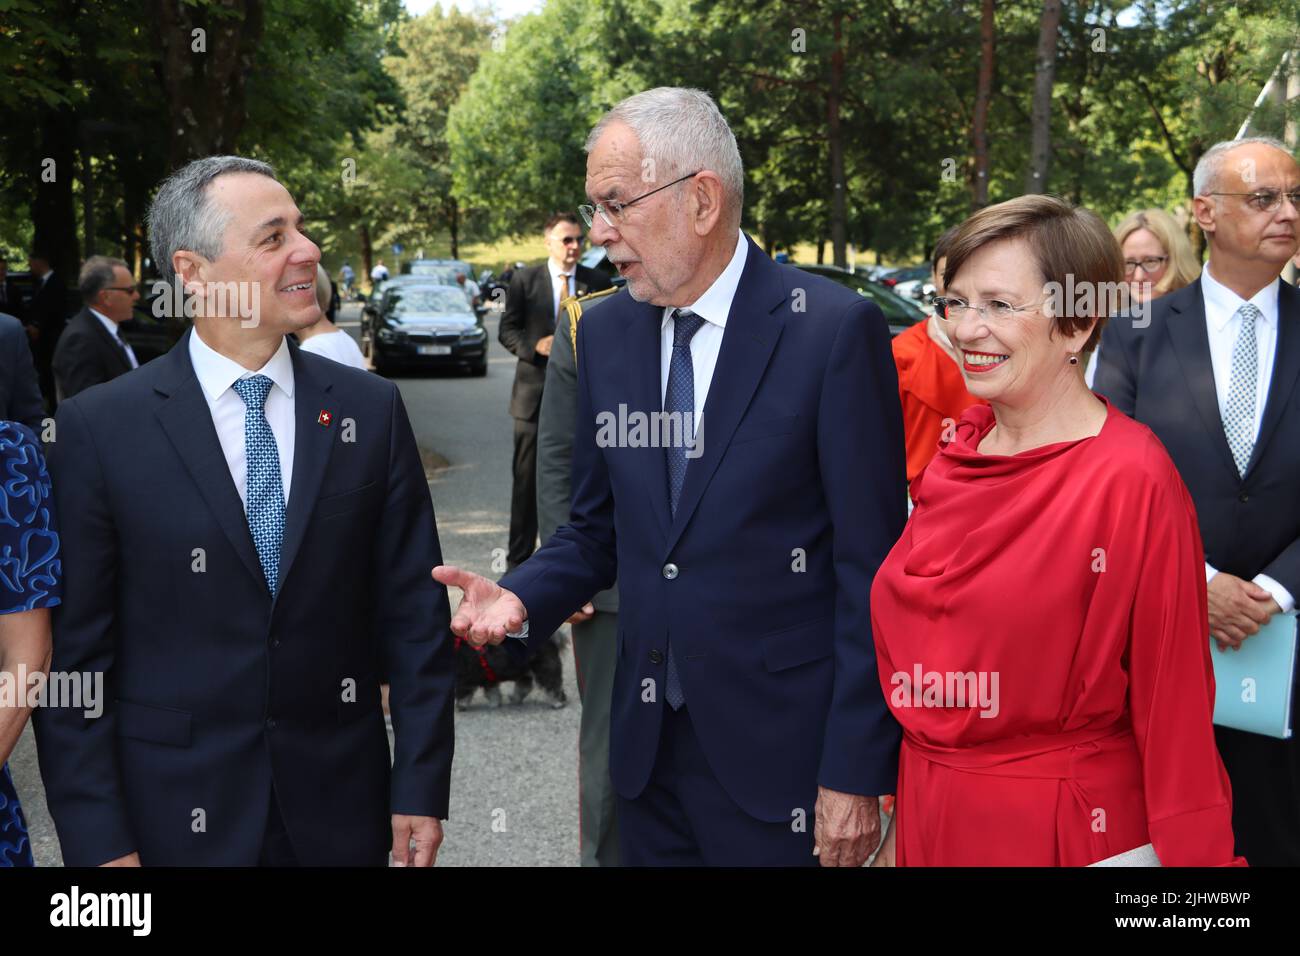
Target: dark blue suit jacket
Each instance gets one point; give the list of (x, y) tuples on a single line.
[(216, 691), (797, 497), (1162, 376)]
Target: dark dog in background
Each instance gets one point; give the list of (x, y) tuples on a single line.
[(489, 666)]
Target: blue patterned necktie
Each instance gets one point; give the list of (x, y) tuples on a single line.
[(1239, 412), (265, 490), (680, 398)]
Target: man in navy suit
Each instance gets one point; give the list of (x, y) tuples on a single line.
[(748, 723), (246, 532), (1214, 375)]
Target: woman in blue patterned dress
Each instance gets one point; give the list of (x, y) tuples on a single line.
[(30, 584)]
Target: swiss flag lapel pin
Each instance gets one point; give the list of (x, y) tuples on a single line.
[(324, 418)]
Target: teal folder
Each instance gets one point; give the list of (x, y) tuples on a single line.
[(1253, 685)]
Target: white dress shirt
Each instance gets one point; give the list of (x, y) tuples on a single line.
[(336, 345), (216, 375), (109, 324), (1222, 325), (713, 307), (555, 273)]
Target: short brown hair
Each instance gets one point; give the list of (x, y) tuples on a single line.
[(559, 217), (1067, 241)]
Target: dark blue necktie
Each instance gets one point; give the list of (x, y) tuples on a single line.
[(680, 398)]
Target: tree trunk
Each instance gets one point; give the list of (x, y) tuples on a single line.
[(455, 230), (205, 88), (821, 252), (839, 201), (54, 216), (979, 124), (367, 255), (1040, 152)]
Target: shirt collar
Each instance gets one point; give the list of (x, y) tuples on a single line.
[(1221, 303), (216, 373), (108, 323), (715, 304), (555, 270)]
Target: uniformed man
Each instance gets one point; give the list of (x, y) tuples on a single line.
[(595, 627)]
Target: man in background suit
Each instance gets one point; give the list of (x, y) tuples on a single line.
[(1214, 375), (246, 530), (595, 625), (748, 726), (20, 392), (9, 304), (527, 329), (91, 349), (45, 316)]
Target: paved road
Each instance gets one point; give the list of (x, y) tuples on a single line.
[(514, 779)]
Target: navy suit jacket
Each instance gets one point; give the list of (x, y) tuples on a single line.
[(1162, 376), (20, 390), (797, 497), (215, 691)]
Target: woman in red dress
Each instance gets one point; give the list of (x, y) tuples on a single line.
[(1041, 626), (931, 389)]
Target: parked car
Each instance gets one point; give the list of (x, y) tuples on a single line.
[(900, 313), (595, 258), (907, 282), (441, 271), (427, 325)]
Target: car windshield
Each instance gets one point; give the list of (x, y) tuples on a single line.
[(429, 300), (444, 272)]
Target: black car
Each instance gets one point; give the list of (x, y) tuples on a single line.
[(441, 271), (595, 258), (900, 313), (427, 326)]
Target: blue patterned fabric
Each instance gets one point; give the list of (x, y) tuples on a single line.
[(679, 397), (31, 576), (265, 491), (15, 850)]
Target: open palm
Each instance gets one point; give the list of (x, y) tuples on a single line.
[(487, 611)]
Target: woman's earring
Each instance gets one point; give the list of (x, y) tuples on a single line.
[(1074, 360)]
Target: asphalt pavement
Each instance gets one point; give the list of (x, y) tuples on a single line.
[(514, 784)]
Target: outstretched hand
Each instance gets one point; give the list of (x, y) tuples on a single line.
[(487, 611)]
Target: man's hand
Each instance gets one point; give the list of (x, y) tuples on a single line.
[(487, 611), (1238, 609), (846, 827), (582, 615), (425, 832), (131, 859), (543, 346)]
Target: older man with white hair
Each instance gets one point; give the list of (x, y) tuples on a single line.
[(744, 524), (1215, 373)]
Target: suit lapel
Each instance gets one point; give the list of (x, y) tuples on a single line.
[(187, 421), (107, 340), (1191, 344), (312, 444), (747, 343), (1286, 368)]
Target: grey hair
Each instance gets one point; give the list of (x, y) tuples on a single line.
[(97, 275), (682, 131), (183, 216), (1208, 167)]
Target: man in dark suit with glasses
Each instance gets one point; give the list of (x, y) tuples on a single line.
[(527, 329)]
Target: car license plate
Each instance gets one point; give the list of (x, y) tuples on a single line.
[(435, 349)]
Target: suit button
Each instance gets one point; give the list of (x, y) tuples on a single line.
[(670, 571), (656, 657), (1243, 497), (270, 723), (275, 642)]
